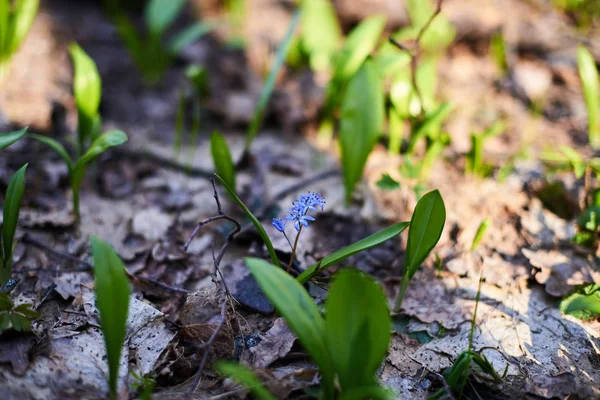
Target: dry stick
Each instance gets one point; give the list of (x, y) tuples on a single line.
[(87, 267), (415, 55), (214, 275)]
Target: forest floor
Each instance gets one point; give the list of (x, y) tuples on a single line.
[(141, 199)]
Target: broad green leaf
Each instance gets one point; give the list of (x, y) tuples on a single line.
[(483, 226), (426, 226), (22, 18), (321, 33), (159, 14), (56, 146), (27, 311), (6, 139), (244, 376), (388, 183), (4, 321), (361, 123), (112, 299), (270, 82), (99, 146), (255, 221), (364, 244), (19, 322), (359, 44), (591, 93), (222, 158), (12, 206), (583, 303), (6, 303), (300, 312), (189, 35), (87, 89), (357, 328)]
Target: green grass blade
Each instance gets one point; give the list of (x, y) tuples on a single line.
[(12, 206), (362, 245), (483, 226), (112, 299), (6, 139), (23, 17), (357, 328), (189, 35), (160, 14), (426, 226), (361, 123), (56, 146), (591, 93), (253, 219), (222, 158), (244, 376), (87, 90), (4, 29), (299, 310), (321, 32), (270, 82), (99, 146)]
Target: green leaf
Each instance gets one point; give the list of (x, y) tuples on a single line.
[(357, 328), (27, 311), (270, 82), (244, 376), (255, 221), (4, 321), (99, 146), (364, 244), (6, 303), (387, 183), (361, 123), (222, 158), (583, 303), (426, 228), (112, 299), (56, 146), (159, 14), (22, 18), (6, 139), (483, 226), (189, 35), (300, 312), (591, 93), (12, 206), (20, 323), (321, 33), (359, 44), (87, 89)]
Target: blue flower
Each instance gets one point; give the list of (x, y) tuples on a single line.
[(279, 224), (299, 211)]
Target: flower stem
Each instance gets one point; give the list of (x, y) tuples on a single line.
[(294, 251), (401, 293)]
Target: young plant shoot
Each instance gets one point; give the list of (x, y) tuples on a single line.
[(355, 330), (426, 226), (87, 93), (152, 53), (16, 18), (12, 207), (588, 73), (112, 299)]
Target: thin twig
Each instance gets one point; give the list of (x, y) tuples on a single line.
[(217, 278), (415, 54), (162, 161)]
